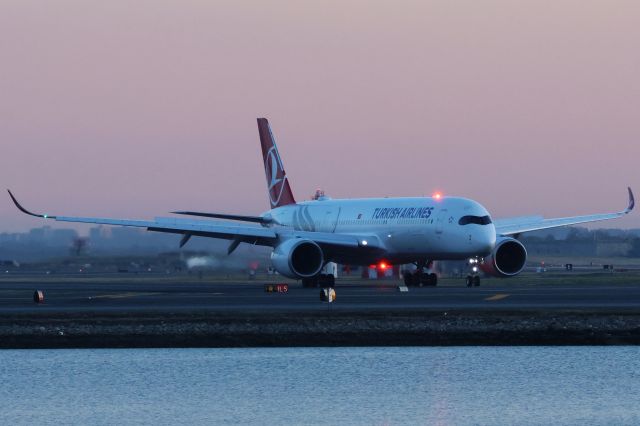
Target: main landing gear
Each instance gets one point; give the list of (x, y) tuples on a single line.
[(320, 280), (473, 279), (419, 277)]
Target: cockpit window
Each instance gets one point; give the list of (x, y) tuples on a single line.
[(478, 220)]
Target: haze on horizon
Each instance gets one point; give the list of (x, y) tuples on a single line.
[(135, 109)]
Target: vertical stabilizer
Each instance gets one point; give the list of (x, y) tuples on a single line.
[(280, 193)]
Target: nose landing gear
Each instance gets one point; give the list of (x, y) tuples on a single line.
[(473, 279)]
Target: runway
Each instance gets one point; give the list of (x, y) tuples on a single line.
[(147, 295), (184, 311)]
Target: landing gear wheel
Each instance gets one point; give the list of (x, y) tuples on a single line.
[(422, 279), (330, 281), (427, 279), (408, 279), (310, 282), (433, 280), (476, 281), (469, 281), (326, 280)]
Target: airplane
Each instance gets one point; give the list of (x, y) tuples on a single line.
[(306, 235)]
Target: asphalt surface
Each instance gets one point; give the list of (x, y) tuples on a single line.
[(16, 297)]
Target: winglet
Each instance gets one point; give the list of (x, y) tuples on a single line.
[(23, 210), (632, 201)]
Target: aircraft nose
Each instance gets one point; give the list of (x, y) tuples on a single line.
[(486, 240), (490, 237)]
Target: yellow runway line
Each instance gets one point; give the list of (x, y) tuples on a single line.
[(496, 297), (122, 295)]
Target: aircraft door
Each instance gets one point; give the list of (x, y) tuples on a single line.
[(321, 218), (441, 218)]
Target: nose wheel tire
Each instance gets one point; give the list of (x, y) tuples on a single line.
[(473, 281)]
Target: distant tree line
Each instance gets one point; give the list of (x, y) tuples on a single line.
[(582, 241)]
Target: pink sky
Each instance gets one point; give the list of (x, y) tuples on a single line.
[(134, 109)]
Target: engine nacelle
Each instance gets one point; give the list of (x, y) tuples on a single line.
[(297, 258), (507, 259)]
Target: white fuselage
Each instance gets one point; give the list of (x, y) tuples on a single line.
[(406, 229)]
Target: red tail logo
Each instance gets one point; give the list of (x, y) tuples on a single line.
[(280, 193)]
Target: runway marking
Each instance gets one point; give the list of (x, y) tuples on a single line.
[(495, 297), (122, 295), (135, 294), (196, 294)]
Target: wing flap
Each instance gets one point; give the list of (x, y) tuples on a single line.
[(237, 217)]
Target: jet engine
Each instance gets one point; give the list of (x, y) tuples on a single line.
[(507, 259), (298, 258)]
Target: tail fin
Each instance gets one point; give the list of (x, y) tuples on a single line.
[(280, 193)]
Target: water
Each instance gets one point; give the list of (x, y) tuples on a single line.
[(431, 386)]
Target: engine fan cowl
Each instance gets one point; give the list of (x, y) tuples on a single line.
[(507, 259), (298, 258)]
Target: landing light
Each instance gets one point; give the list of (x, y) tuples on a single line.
[(364, 242)]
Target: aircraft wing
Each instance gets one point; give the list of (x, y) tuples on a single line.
[(252, 234), (534, 223)]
